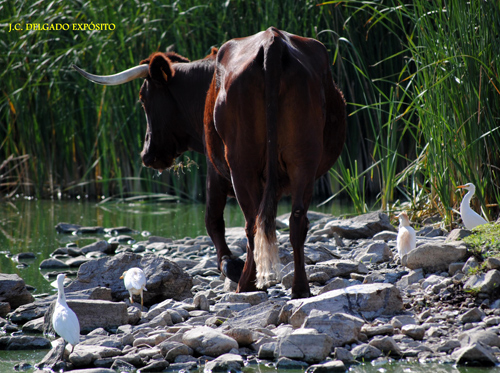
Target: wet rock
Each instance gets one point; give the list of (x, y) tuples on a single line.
[(24, 342), (13, 290), (33, 326), (475, 354), (486, 337), (286, 363), (342, 328), (368, 301), (484, 282), (335, 366), (207, 341), (433, 257), (66, 228), (305, 344), (344, 355), (365, 352), (225, 363), (93, 314), (165, 279), (84, 355), (51, 359), (362, 226), (53, 263)]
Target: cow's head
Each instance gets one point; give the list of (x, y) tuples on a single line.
[(165, 138)]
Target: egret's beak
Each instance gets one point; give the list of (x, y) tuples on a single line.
[(461, 187), (121, 277)]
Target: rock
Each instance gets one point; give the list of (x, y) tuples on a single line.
[(225, 363), (433, 257), (371, 331), (344, 355), (99, 246), (362, 226), (341, 327), (486, 337), (286, 363), (365, 352), (413, 331), (165, 279), (207, 341), (368, 301), (200, 301), (50, 360), (448, 346), (258, 316), (411, 278), (155, 366), (13, 290), (34, 326), (387, 345), (172, 349), (472, 315), (457, 234), (492, 263), (93, 314), (304, 344), (376, 252), (67, 228), (475, 354), (253, 298), (84, 355), (4, 308), (243, 336), (24, 342), (122, 366), (484, 282), (328, 367), (53, 263)]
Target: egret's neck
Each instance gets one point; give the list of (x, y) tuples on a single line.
[(466, 201), (60, 294)]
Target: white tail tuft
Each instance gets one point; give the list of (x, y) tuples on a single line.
[(266, 255)]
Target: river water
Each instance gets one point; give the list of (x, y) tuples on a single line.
[(28, 226)]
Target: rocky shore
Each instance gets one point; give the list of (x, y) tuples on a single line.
[(365, 304)]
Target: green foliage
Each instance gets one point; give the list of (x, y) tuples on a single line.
[(484, 240)]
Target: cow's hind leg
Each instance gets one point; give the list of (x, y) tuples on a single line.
[(299, 225), (217, 192)]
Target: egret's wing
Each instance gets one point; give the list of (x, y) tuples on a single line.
[(66, 324)]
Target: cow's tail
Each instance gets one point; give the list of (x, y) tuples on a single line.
[(266, 247)]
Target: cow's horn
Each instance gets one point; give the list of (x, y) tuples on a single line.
[(140, 71)]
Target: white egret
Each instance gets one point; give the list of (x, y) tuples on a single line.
[(406, 240), (64, 319), (135, 283), (470, 218)]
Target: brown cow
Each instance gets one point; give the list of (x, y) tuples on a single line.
[(274, 122)]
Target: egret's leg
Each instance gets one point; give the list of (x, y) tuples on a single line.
[(142, 301)]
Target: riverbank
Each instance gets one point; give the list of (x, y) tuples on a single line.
[(365, 305)]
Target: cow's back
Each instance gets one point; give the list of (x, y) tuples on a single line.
[(311, 111)]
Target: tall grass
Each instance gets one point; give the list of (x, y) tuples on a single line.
[(436, 126), (84, 139)]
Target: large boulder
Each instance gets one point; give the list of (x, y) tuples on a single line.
[(92, 314), (165, 279), (207, 341), (304, 344), (13, 290), (366, 301), (362, 226), (432, 257)]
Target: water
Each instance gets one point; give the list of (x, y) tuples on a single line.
[(28, 226)]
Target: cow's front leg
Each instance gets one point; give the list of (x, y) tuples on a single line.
[(217, 191)]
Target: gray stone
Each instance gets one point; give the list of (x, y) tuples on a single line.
[(472, 315), (362, 226), (411, 278), (448, 346), (365, 352), (344, 355), (470, 265), (207, 341), (243, 336), (457, 234), (225, 363), (50, 360), (165, 279), (53, 263), (258, 316), (414, 331), (376, 252), (492, 263), (305, 344), (335, 366), (484, 282), (83, 355), (92, 314), (432, 257), (338, 283), (99, 246), (341, 327), (253, 298), (387, 345), (486, 337), (475, 354), (369, 301), (371, 331), (24, 342), (34, 326), (266, 350)]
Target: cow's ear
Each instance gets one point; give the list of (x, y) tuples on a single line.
[(160, 68)]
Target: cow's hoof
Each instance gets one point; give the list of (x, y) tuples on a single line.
[(298, 295), (232, 267)]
